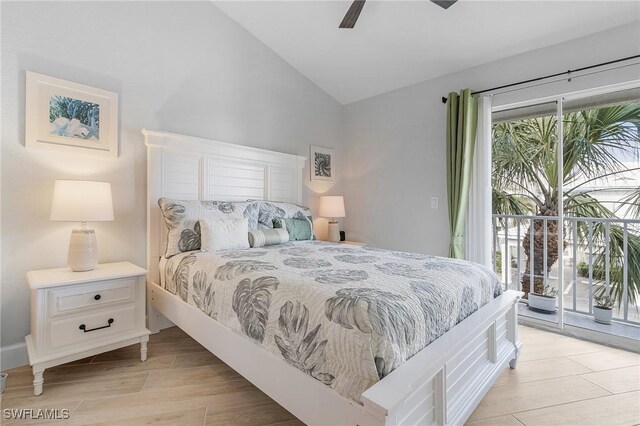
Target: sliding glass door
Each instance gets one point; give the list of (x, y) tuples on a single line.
[(565, 220)]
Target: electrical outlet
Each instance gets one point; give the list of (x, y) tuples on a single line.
[(434, 202)]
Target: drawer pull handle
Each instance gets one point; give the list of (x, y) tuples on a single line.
[(84, 327), (97, 297)]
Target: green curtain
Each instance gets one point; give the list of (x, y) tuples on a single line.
[(462, 120)]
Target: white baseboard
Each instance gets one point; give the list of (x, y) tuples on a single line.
[(13, 356)]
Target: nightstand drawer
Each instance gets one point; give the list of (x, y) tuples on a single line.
[(68, 299), (91, 327)]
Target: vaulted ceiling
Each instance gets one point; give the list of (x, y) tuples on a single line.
[(398, 43)]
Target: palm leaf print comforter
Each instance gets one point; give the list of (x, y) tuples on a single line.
[(345, 315)]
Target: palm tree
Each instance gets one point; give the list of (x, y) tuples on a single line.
[(525, 177)]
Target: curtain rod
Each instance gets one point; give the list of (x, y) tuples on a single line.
[(568, 72)]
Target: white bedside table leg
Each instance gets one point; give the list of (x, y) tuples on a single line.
[(143, 348), (38, 379)]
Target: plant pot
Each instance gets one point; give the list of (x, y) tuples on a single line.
[(602, 315), (542, 303)]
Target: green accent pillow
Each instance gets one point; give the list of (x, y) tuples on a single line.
[(268, 237), (298, 229)]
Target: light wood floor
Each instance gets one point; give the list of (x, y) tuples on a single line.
[(559, 381)]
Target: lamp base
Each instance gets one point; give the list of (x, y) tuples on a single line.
[(83, 250), (334, 232)]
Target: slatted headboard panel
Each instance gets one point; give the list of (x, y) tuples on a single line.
[(191, 168)]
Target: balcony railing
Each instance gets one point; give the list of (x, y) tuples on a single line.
[(525, 257)]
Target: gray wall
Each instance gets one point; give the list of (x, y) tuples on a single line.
[(182, 67), (396, 141)]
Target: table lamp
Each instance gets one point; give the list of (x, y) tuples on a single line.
[(332, 206), (82, 201)]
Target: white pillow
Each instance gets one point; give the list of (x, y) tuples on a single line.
[(224, 234)]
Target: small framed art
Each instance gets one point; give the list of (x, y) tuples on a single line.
[(323, 164), (67, 116)]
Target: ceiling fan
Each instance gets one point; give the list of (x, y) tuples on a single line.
[(353, 13)]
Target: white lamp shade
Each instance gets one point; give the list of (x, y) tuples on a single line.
[(81, 201), (332, 206)]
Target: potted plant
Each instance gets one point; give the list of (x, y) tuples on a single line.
[(545, 301), (603, 309)]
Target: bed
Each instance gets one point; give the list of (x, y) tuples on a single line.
[(345, 335)]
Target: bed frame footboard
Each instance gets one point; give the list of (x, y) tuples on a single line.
[(446, 381)]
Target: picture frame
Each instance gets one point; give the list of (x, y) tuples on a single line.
[(322, 164), (70, 117)]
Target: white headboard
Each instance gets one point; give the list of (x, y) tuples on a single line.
[(190, 168)]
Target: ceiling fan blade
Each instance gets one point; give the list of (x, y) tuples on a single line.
[(445, 4), (351, 17)]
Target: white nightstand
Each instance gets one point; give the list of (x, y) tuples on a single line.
[(78, 314), (354, 243)]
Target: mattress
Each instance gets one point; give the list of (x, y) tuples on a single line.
[(345, 315)]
